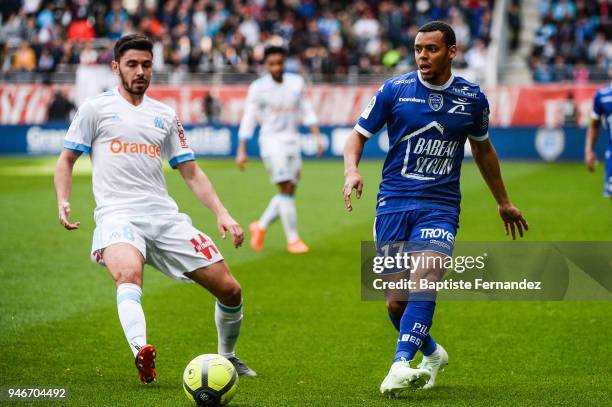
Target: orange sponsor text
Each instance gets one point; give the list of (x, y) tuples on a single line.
[(121, 147)]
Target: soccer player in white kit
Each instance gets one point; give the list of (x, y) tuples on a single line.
[(278, 100), (128, 135)]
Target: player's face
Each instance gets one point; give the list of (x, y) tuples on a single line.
[(275, 64), (433, 57), (135, 68)]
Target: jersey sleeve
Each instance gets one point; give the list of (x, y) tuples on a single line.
[(249, 119), (480, 128), (176, 148), (597, 107), (375, 115), (82, 130), (309, 118)]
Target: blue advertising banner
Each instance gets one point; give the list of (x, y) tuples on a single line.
[(221, 141)]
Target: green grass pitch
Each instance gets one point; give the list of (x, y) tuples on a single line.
[(306, 331)]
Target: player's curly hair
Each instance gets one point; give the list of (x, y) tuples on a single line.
[(274, 49), (446, 30), (132, 41)]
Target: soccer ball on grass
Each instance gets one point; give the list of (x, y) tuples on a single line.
[(210, 380)]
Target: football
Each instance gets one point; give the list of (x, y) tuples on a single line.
[(210, 380)]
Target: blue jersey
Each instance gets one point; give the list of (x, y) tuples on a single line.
[(602, 110), (427, 127)]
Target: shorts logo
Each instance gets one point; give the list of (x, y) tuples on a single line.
[(204, 246), (437, 233), (181, 133), (436, 101)]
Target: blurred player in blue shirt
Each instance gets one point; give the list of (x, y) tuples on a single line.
[(429, 114), (602, 113)]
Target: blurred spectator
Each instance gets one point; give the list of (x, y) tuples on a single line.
[(476, 58), (211, 109), (514, 23), (60, 108), (25, 58), (324, 38), (577, 32), (570, 111)]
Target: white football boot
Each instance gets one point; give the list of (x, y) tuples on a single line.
[(402, 377), (434, 364)]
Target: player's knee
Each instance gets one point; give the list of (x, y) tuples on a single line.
[(128, 276), (231, 294), (396, 307)]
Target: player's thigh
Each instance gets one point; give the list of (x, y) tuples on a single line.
[(433, 235), (392, 227), (124, 262), (180, 248), (218, 279), (120, 246), (282, 167)]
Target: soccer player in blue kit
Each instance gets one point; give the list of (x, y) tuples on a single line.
[(429, 114), (602, 113)]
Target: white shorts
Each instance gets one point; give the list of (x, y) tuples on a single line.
[(283, 167), (169, 243)]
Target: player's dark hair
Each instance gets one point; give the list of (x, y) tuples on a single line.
[(446, 30), (132, 41), (274, 49)]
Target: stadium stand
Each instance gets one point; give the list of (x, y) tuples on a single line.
[(572, 42), (326, 39)]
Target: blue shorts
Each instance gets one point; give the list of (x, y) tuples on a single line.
[(427, 230), (608, 179)]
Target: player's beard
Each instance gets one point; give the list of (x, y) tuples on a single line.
[(131, 89)]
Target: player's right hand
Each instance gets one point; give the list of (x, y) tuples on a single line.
[(590, 159), (241, 159), (352, 181), (64, 216)]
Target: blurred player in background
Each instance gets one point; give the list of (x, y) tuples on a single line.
[(128, 134), (602, 113), (278, 100), (429, 114)]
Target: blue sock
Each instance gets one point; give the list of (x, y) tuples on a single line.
[(429, 346), (414, 326), (395, 321)]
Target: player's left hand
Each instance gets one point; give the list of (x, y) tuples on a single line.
[(226, 223), (513, 220)]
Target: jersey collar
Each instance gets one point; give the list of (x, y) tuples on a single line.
[(436, 87)]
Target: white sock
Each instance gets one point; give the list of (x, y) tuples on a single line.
[(131, 315), (228, 321), (288, 215), (271, 212)]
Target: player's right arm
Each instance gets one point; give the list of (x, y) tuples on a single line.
[(353, 149), (63, 186), (590, 158), (372, 119), (247, 127), (79, 138)]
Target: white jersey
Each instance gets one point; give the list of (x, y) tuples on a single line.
[(127, 144), (279, 107)]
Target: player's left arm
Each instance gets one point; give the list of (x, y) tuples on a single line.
[(203, 189), (488, 163), (486, 158), (309, 119)]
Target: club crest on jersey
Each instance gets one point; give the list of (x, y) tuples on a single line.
[(158, 122), (435, 101)]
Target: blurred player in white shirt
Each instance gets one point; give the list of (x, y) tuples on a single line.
[(278, 101), (128, 135)]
